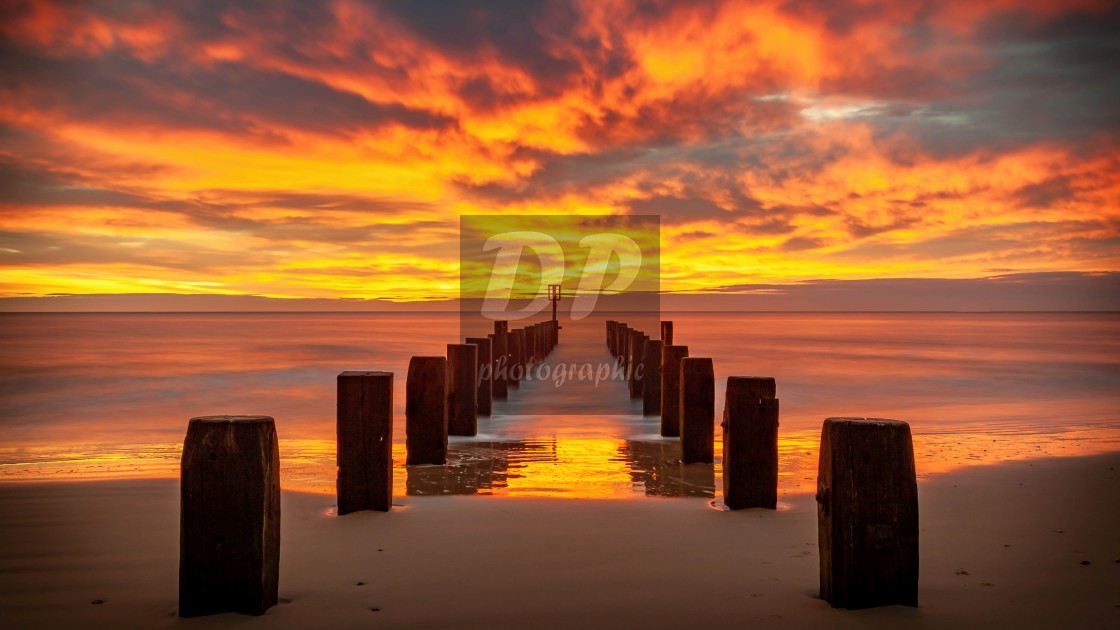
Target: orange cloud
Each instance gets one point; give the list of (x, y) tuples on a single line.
[(286, 150)]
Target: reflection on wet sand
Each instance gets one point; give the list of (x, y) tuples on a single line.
[(583, 467), (477, 467), (657, 467)]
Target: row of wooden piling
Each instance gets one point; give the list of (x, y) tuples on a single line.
[(230, 494), (477, 372), (867, 516), (229, 553), (678, 388)]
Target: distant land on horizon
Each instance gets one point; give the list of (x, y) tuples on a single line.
[(1052, 291)]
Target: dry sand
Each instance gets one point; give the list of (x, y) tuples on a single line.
[(1002, 546)]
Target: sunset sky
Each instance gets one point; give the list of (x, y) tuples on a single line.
[(290, 149)]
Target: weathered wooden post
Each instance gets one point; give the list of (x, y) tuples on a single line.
[(610, 325), (667, 333), (651, 379), (513, 341), (522, 352), (637, 374), (867, 513), (229, 519), (671, 389), (484, 375), (365, 441), (698, 410), (462, 389), (750, 443), (624, 350), (425, 411), (531, 354), (500, 374)]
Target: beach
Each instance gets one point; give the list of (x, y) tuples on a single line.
[(568, 508), (1026, 544)]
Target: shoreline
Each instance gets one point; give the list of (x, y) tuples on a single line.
[(1000, 544)]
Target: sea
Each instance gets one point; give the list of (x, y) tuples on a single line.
[(90, 396)]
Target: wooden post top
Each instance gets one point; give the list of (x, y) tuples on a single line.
[(231, 419), (353, 373), (758, 386), (867, 422)]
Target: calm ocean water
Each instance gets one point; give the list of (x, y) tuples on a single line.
[(109, 395)]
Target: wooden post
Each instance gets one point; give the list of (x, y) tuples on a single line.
[(531, 354), (667, 333), (500, 374), (229, 519), (522, 346), (365, 441), (462, 389), (425, 410), (651, 379), (610, 326), (867, 513), (484, 375), (750, 443), (637, 352), (671, 389), (624, 350), (513, 349), (698, 411)]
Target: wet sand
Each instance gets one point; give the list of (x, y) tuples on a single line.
[(1001, 546)]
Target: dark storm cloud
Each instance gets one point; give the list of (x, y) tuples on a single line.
[(1036, 80), (229, 98)]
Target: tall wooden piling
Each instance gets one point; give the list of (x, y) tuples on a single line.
[(651, 379), (522, 351), (667, 333), (500, 373), (426, 411), (462, 389), (365, 441), (531, 350), (484, 375), (750, 443), (513, 378), (624, 349), (229, 519), (671, 389), (698, 410), (867, 513), (610, 332), (636, 377)]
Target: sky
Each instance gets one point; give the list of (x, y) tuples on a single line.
[(284, 149)]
